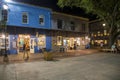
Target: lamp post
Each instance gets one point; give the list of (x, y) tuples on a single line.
[(4, 19)]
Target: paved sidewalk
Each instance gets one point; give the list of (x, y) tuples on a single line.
[(39, 56), (102, 66)]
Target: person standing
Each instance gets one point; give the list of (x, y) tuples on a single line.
[(25, 50), (75, 46), (101, 45), (113, 48)]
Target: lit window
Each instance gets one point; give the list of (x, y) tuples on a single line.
[(105, 32), (25, 17), (105, 41), (59, 40), (41, 20), (92, 42), (98, 33)]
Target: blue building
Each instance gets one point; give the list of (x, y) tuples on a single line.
[(40, 27), (26, 24)]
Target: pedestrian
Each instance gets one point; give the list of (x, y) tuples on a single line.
[(113, 48), (101, 45), (25, 50), (75, 46)]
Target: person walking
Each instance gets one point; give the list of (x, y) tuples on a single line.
[(25, 50)]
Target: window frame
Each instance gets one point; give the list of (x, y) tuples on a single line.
[(72, 25), (27, 19), (43, 20), (59, 24)]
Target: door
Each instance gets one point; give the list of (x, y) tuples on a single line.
[(32, 44)]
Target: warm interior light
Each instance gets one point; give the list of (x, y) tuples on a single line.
[(3, 36), (86, 37)]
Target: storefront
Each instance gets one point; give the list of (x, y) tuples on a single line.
[(23, 39), (3, 43), (41, 42)]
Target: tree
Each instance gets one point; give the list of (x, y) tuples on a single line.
[(106, 10)]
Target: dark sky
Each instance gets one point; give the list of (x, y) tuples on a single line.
[(53, 5)]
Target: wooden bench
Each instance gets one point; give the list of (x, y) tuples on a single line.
[(106, 50), (109, 50)]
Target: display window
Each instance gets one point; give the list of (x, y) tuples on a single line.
[(66, 42), (42, 41), (59, 40), (23, 39), (71, 42), (2, 41)]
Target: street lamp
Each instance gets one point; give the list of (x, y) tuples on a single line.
[(104, 24), (4, 19)]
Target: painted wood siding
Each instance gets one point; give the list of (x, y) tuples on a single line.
[(66, 26), (15, 15)]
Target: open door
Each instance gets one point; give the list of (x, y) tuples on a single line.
[(32, 44)]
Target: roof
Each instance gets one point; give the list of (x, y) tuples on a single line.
[(53, 5)]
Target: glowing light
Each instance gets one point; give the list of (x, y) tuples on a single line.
[(3, 36), (5, 7), (86, 37), (104, 24), (7, 0)]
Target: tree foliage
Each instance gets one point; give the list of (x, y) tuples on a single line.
[(107, 10)]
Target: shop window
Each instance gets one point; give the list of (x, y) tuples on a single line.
[(42, 41), (98, 33), (59, 24), (2, 41), (59, 40), (24, 17), (41, 20), (105, 41), (92, 42), (105, 32), (72, 25)]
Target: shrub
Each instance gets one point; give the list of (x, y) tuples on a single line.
[(48, 56)]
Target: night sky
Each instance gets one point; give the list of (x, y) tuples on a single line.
[(53, 5)]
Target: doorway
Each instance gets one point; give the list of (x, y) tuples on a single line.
[(23, 39)]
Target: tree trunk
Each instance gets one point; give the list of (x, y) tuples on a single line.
[(110, 40)]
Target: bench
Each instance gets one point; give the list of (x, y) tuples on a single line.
[(106, 50), (109, 50)]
